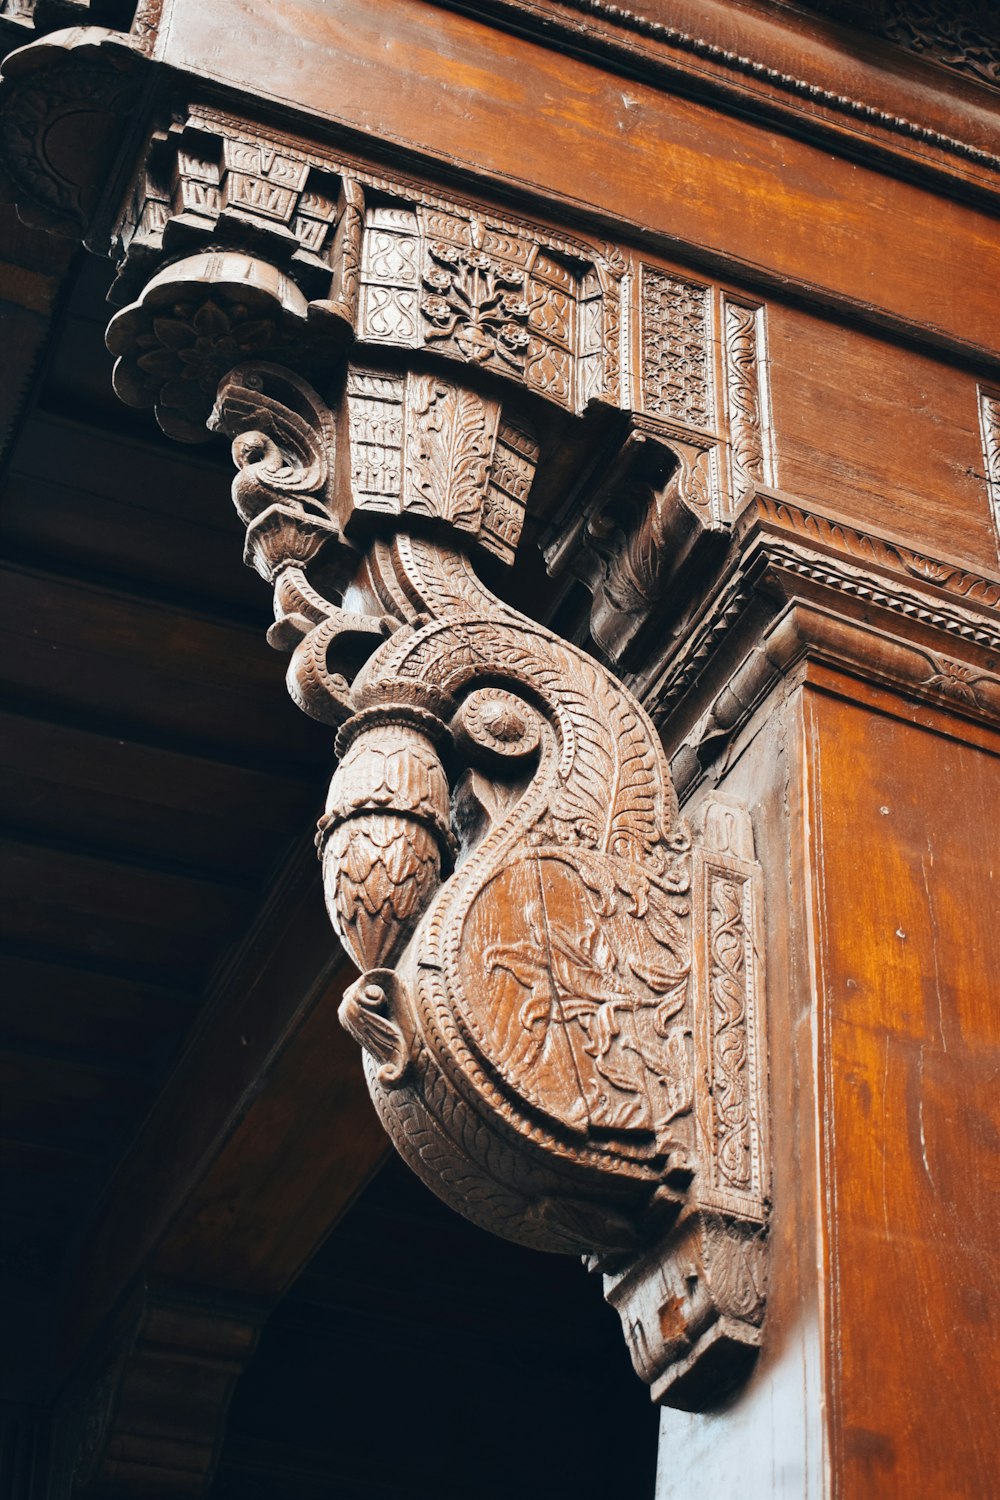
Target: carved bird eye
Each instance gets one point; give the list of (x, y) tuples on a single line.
[(496, 722)]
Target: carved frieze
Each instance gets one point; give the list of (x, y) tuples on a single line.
[(963, 35), (397, 266)]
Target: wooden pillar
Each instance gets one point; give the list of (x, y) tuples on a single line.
[(870, 760)]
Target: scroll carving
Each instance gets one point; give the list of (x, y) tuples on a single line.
[(645, 515), (750, 462), (502, 852)]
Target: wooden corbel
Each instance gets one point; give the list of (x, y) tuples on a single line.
[(560, 1004), (67, 104)]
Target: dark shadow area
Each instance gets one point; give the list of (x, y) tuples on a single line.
[(418, 1356)]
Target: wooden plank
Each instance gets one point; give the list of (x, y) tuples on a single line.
[(86, 649), (63, 781), (453, 92), (258, 1004), (898, 446), (301, 1153), (109, 910), (47, 1097), (905, 886), (69, 1005), (60, 525)]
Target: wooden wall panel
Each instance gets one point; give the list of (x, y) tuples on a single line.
[(907, 898), (446, 87), (879, 433)]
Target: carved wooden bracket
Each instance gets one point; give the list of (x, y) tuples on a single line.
[(65, 108), (561, 998), (560, 1004)]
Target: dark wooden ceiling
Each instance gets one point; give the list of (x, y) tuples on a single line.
[(418, 1356), (152, 776), (156, 786)]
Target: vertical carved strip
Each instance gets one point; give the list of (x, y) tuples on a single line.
[(676, 326), (746, 401), (989, 423), (730, 1041)]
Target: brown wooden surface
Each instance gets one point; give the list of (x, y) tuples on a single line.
[(448, 89), (906, 901), (878, 818), (143, 716), (880, 434)]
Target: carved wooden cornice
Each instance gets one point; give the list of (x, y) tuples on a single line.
[(789, 67), (801, 585)]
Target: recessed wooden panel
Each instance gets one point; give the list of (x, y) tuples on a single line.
[(874, 431), (907, 896)]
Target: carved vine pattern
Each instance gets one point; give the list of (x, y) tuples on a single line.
[(989, 419), (744, 401), (676, 330), (728, 984), (963, 35)]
